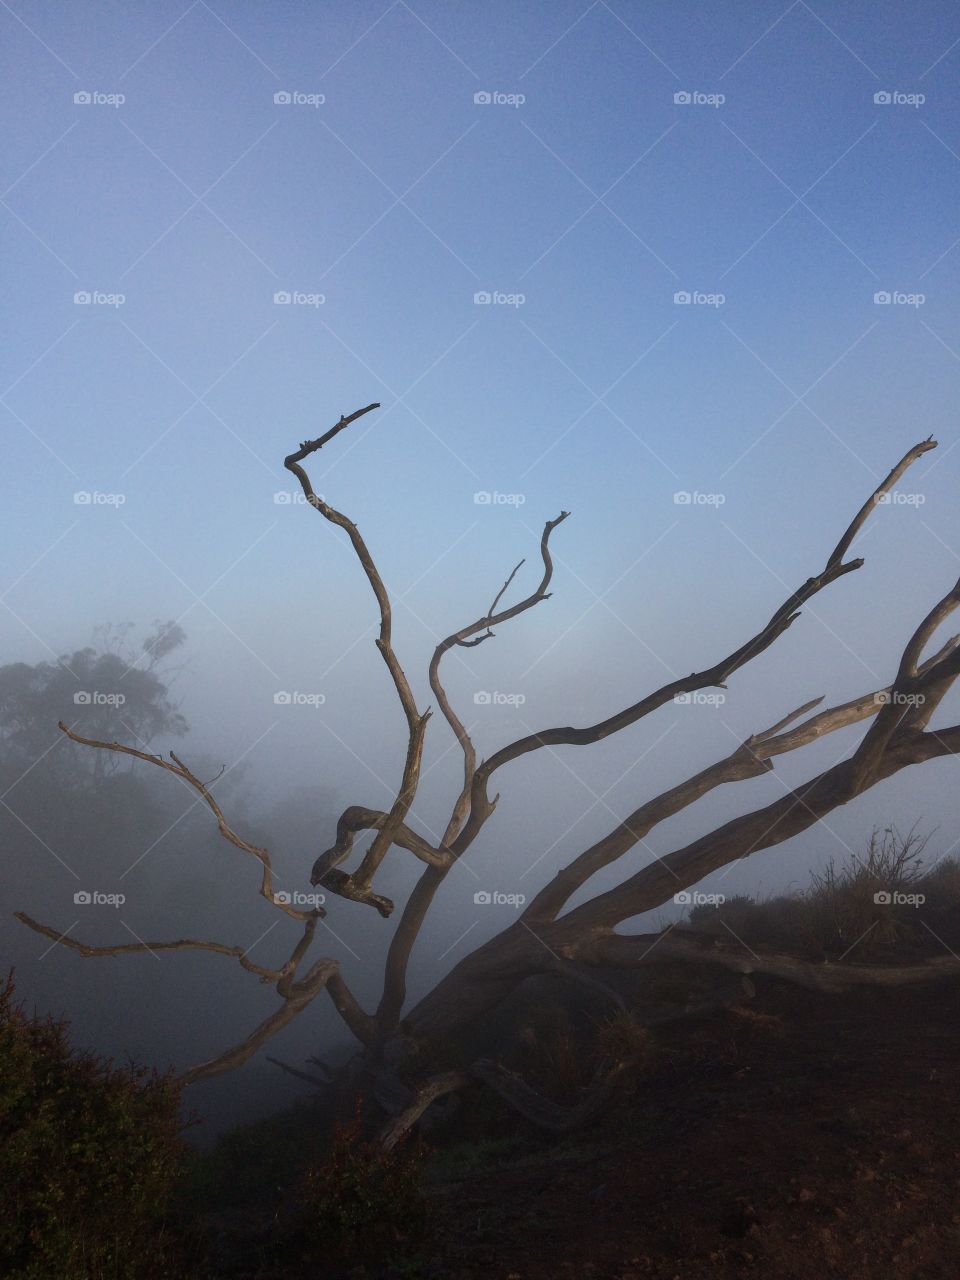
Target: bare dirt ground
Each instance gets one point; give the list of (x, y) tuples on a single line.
[(806, 1137), (795, 1136)]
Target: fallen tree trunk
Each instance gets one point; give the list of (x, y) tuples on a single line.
[(424, 1097), (618, 950), (486, 977)]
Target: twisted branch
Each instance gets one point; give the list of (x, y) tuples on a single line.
[(420, 900), (358, 886), (357, 818)]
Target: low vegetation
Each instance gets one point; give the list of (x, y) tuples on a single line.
[(89, 1155), (881, 904), (362, 1203), (96, 1182)]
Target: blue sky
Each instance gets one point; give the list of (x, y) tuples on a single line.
[(583, 197)]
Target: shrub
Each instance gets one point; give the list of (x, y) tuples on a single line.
[(362, 1203), (842, 906), (88, 1157), (622, 1038), (849, 906)]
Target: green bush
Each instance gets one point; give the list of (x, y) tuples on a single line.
[(88, 1155)]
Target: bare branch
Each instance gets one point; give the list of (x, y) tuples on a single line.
[(541, 939), (299, 1075), (295, 994), (181, 771), (499, 596), (921, 637), (300, 996), (388, 830), (543, 1112), (515, 1091), (363, 1026), (909, 691), (716, 675), (462, 638), (358, 818), (416, 723), (792, 813), (128, 948), (346, 886), (860, 519), (311, 446), (750, 760), (428, 1092)]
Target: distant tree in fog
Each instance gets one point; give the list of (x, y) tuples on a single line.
[(106, 690)]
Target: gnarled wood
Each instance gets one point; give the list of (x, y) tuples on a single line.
[(416, 723), (543, 937)]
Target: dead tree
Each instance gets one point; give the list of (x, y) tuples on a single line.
[(548, 936)]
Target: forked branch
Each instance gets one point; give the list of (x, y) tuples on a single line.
[(751, 759), (715, 676), (484, 626)]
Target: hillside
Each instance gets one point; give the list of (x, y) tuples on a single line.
[(797, 1135)]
